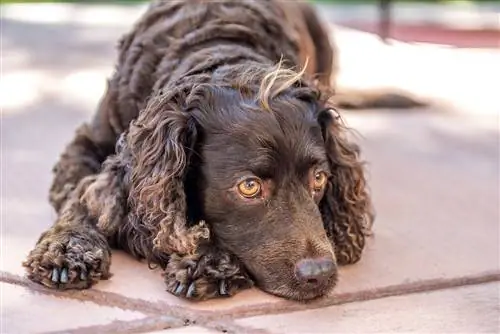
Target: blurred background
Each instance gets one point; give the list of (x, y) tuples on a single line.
[(57, 55)]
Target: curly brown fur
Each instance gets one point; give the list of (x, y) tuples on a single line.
[(346, 208), (206, 93), (210, 274), (72, 254)]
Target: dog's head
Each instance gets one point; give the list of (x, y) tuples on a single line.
[(259, 157)]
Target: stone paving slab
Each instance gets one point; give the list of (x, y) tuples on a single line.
[(472, 309), (26, 311), (186, 330), (429, 150), (134, 280)]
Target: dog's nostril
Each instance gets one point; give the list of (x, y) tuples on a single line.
[(312, 281), (314, 271)]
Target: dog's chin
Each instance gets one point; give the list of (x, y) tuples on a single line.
[(300, 293)]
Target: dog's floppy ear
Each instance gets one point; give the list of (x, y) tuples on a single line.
[(346, 206), (159, 143)]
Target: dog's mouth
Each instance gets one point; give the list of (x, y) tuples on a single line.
[(285, 284), (303, 292)]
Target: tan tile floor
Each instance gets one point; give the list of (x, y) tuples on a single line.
[(26, 311), (471, 309), (434, 176), (187, 330)]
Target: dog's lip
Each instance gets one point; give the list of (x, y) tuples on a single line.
[(296, 292), (302, 295)]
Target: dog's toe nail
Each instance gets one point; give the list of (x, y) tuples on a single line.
[(191, 290), (64, 275), (83, 276), (223, 288), (189, 271), (55, 275), (178, 288)]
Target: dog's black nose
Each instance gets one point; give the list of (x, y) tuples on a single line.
[(315, 271)]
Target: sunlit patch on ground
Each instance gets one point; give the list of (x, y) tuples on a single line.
[(81, 14), (466, 78), (20, 89)]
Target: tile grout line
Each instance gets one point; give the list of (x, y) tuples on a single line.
[(429, 285), (156, 312), (144, 325), (158, 323), (109, 299), (230, 326), (200, 317)]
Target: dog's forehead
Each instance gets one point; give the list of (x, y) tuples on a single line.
[(263, 138), (256, 128)]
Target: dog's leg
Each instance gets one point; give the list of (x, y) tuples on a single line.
[(92, 144), (80, 158), (211, 273), (74, 253)]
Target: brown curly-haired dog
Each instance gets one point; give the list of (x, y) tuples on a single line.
[(215, 154)]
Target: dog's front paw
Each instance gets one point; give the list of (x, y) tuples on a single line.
[(205, 277), (67, 259)]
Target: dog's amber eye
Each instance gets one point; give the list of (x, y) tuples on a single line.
[(250, 187), (319, 181)]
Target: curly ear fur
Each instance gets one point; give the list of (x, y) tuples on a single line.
[(157, 142), (346, 207)]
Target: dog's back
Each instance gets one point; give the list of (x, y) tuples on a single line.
[(178, 38)]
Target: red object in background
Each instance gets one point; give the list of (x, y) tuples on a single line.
[(434, 34)]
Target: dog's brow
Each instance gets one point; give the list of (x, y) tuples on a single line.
[(315, 154), (261, 163), (312, 157)]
